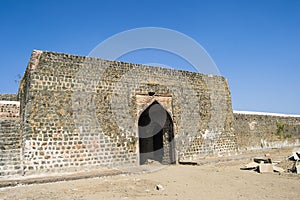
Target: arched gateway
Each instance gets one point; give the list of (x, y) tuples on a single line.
[(156, 136)]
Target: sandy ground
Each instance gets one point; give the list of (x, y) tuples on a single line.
[(211, 181)]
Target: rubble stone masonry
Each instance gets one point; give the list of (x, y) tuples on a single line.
[(10, 138), (79, 113), (256, 131)]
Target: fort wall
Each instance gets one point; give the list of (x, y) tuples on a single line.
[(255, 131), (82, 112), (78, 113), (10, 138)]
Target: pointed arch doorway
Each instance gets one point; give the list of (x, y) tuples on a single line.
[(156, 136)]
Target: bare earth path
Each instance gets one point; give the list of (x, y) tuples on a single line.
[(211, 181)]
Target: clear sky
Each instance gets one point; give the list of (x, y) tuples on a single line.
[(254, 43)]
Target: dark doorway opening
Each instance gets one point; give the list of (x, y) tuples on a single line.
[(156, 137)]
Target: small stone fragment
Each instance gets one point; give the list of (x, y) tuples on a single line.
[(278, 169), (251, 165), (159, 187)]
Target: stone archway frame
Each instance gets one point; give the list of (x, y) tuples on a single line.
[(143, 101)]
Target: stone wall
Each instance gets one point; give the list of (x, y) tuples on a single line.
[(9, 109), (256, 131), (8, 97), (78, 112), (10, 139), (83, 112)]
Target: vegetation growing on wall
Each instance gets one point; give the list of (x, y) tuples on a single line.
[(281, 131)]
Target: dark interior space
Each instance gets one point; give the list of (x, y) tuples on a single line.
[(156, 135)]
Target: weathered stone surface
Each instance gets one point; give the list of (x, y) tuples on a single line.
[(262, 130), (265, 168), (10, 138), (9, 109), (78, 111), (75, 112), (8, 97)]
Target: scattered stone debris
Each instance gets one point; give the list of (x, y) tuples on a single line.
[(296, 167), (278, 169), (263, 165), (152, 162), (286, 164), (251, 165), (295, 157), (262, 160), (266, 165)]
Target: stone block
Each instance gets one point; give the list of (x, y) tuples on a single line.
[(265, 168)]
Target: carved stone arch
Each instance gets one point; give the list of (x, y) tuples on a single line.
[(150, 103)]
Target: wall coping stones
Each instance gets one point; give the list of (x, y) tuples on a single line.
[(264, 113), (8, 97), (10, 102), (75, 58)]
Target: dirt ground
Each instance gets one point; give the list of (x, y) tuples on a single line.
[(210, 181)]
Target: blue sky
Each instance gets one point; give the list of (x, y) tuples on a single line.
[(254, 43)]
